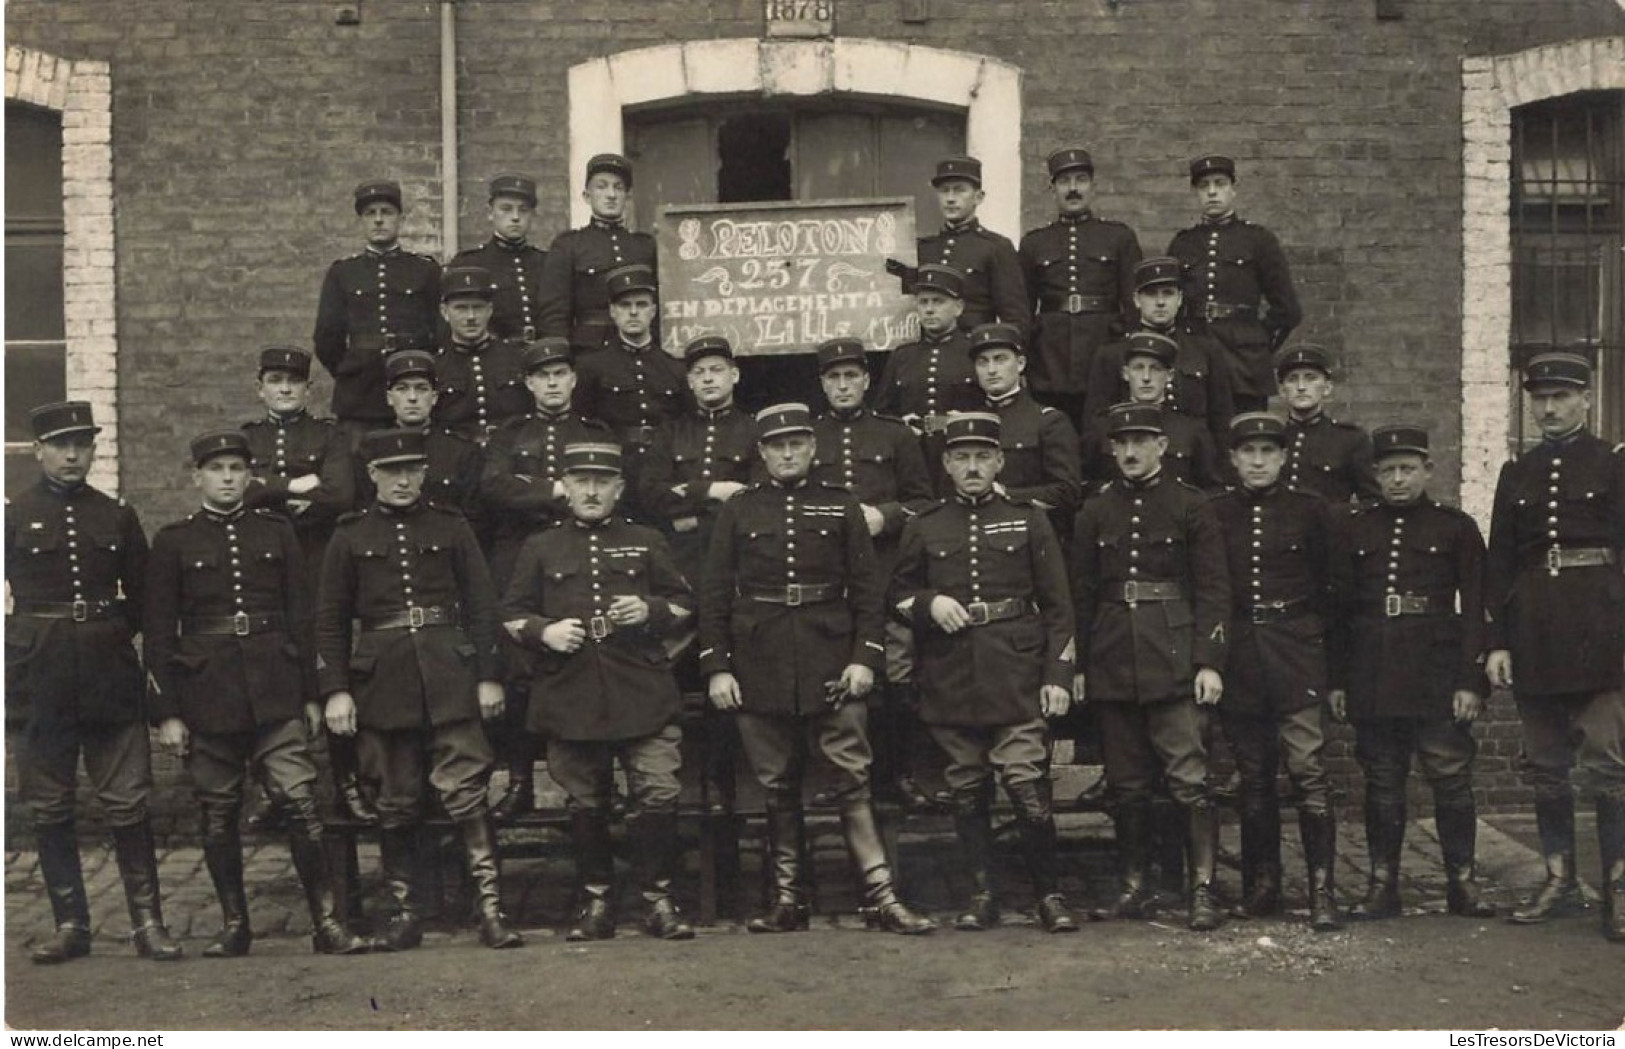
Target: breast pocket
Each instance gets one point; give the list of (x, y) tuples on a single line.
[(32, 542)]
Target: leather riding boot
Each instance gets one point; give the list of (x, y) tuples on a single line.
[(1203, 848), (65, 885), (1035, 822), (595, 876), (398, 856), (327, 934), (882, 908), (1611, 843), (1131, 822), (1384, 839), (485, 871), (974, 829), (1166, 848), (223, 855), (1260, 857), (138, 868), (1318, 831), (519, 798), (655, 853), (1458, 841), (788, 910), (1559, 895)]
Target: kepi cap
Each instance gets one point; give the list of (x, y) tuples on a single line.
[(1212, 164), (1159, 348), (933, 276), (378, 189), (1250, 426), (1391, 440), (613, 163), (61, 418), (844, 350), (551, 349), (623, 280), (464, 281), (790, 417), (1133, 418), (389, 447), (220, 442), (1557, 369), (402, 363), (592, 458), (966, 169), (1303, 355), (996, 336), (1071, 158), (521, 186), (1160, 270), (285, 359), (707, 346), (971, 428)]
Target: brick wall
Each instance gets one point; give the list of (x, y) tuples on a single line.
[(239, 127)]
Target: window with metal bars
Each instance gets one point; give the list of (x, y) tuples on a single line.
[(1568, 244)]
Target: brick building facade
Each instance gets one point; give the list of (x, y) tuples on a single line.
[(208, 153)]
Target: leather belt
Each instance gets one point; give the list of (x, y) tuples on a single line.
[(1411, 605), (641, 436), (383, 342), (1135, 590), (1214, 311), (985, 612), (240, 625), (1273, 611), (78, 611), (413, 617), (795, 594), (1076, 303), (1558, 558)]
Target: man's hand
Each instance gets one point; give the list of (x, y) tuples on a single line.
[(857, 680), (304, 485), (873, 519), (1466, 705), (1054, 701), (949, 614), (1080, 691), (628, 610), (1209, 687), (492, 699), (172, 735), (722, 491), (313, 719), (723, 689), (1499, 667), (684, 524), (297, 506), (564, 635), (341, 714), (1338, 700)]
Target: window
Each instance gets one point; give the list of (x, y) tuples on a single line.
[(1568, 243), (36, 347)]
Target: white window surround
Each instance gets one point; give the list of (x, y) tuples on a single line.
[(82, 91), (989, 90), (1492, 86)]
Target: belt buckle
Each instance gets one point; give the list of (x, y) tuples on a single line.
[(529, 334), (1393, 605), (1210, 311), (389, 341), (978, 613), (81, 611), (1131, 592), (599, 627), (415, 617), (1554, 559), (239, 624), (1261, 613), (1074, 303), (792, 595)]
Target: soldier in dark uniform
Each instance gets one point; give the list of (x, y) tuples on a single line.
[(515, 264), (1199, 384), (635, 385), (991, 283), (1284, 582), (603, 688), (522, 491), (1152, 598), (878, 460), (1080, 271), (455, 462), (481, 377), (303, 469), (1040, 447), (1410, 672), (229, 643), (1324, 456), (1554, 594), (1229, 266), (1148, 365), (419, 678), (575, 303), (76, 563), (981, 583), (790, 637), (370, 303)]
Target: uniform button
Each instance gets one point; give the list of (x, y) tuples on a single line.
[(1133, 571)]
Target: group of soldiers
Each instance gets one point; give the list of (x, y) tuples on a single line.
[(529, 530)]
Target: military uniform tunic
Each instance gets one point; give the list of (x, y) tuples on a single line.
[(1190, 457), (993, 288), (523, 462), (770, 541), (926, 379), (619, 684), (452, 480), (371, 303), (989, 550), (289, 447), (228, 629), (1408, 649), (878, 460), (689, 454), (1229, 265), (1040, 454), (481, 386), (516, 278), (1330, 458), (1080, 271), (575, 300), (1199, 384), (631, 388)]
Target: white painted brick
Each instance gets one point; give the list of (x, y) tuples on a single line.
[(648, 74)]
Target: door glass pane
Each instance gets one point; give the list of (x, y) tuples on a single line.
[(910, 146), (36, 373), (33, 164), (835, 156), (21, 469), (754, 154), (34, 287), (673, 163)]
